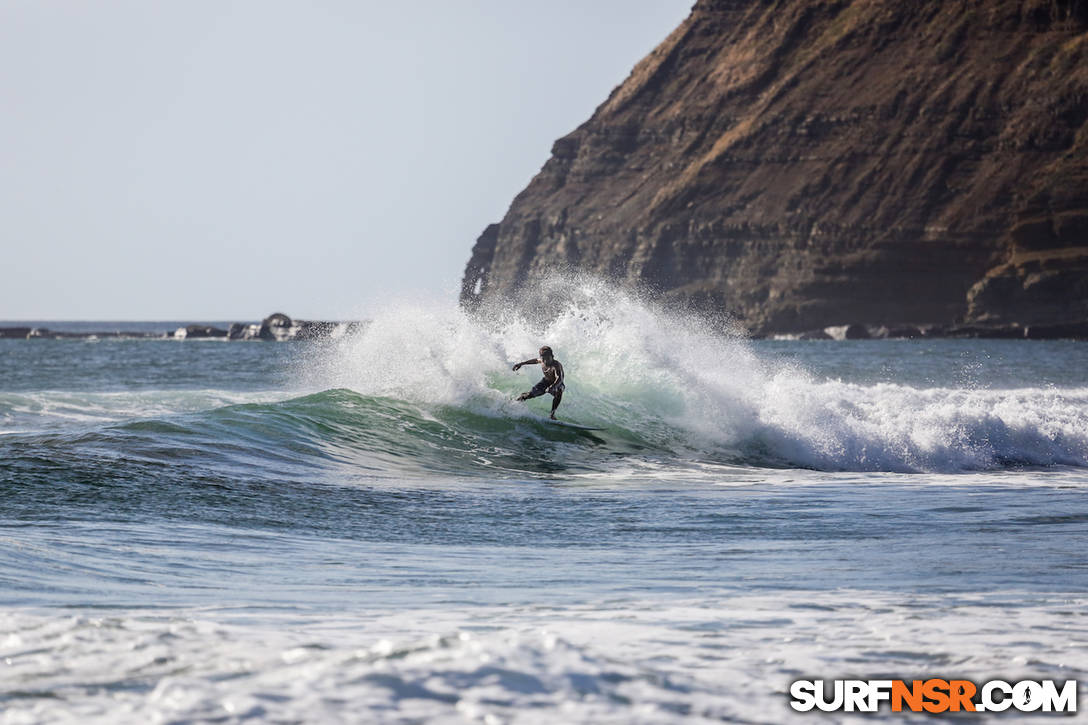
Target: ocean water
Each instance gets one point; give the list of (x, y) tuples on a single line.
[(371, 530)]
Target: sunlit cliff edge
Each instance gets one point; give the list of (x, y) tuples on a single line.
[(802, 164)]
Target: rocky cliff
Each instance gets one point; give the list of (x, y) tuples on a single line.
[(806, 163)]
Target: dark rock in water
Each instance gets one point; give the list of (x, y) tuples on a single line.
[(45, 333), (239, 331), (857, 332), (1070, 331), (280, 327), (277, 327), (934, 331), (199, 331), (15, 332), (993, 332), (796, 164)]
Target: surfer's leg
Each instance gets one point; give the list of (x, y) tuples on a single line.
[(557, 398), (536, 392)]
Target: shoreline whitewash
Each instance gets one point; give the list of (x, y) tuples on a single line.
[(646, 661)]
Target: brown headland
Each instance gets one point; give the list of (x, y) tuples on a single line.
[(799, 164)]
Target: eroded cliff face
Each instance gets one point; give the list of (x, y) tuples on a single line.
[(800, 164)]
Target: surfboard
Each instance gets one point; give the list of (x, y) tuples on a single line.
[(575, 426)]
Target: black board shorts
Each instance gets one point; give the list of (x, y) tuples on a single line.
[(542, 387)]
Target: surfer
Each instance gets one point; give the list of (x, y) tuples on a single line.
[(551, 383)]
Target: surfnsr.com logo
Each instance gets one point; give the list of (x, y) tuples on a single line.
[(934, 695)]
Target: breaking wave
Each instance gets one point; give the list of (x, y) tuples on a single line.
[(669, 383), (427, 388)]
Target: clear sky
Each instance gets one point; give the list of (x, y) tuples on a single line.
[(210, 159)]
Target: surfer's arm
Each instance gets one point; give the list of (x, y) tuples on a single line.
[(534, 361)]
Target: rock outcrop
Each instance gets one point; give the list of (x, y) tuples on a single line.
[(277, 327), (15, 332), (280, 327), (197, 332), (802, 164)]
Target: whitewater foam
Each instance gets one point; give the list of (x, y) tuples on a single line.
[(636, 661), (676, 382)]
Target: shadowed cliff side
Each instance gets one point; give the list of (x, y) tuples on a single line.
[(800, 164)]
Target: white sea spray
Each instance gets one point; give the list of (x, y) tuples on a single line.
[(675, 380)]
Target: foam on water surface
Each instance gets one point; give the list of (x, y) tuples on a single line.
[(651, 661)]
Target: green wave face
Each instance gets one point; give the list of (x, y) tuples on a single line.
[(389, 437)]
